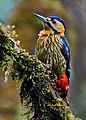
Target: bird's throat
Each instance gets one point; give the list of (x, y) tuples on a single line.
[(47, 32)]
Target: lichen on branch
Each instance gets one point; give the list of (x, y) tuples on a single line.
[(38, 91)]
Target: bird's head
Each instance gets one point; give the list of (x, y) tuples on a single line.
[(54, 23)]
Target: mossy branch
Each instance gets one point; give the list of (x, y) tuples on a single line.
[(38, 91)]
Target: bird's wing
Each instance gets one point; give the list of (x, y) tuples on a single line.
[(65, 49)]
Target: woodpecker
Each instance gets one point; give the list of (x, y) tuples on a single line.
[(53, 49)]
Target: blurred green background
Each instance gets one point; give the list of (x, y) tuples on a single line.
[(20, 14)]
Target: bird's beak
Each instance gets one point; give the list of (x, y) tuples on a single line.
[(42, 18), (45, 21)]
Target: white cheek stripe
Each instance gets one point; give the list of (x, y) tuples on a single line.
[(52, 25)]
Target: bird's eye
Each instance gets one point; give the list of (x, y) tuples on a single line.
[(54, 21)]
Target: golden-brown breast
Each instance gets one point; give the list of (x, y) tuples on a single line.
[(48, 51)]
